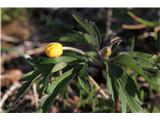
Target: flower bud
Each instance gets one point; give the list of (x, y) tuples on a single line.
[(108, 52), (54, 50)]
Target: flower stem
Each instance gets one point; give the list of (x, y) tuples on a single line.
[(74, 49), (80, 52)]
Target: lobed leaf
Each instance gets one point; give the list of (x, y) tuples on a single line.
[(54, 88), (143, 64), (91, 29), (123, 86)]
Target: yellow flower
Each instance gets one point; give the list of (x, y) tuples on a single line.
[(54, 50), (108, 52)]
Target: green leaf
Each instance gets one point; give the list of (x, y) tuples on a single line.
[(46, 71), (75, 55), (26, 76), (85, 24), (143, 64), (93, 54), (98, 35), (66, 59), (143, 56), (90, 40), (45, 68), (59, 66), (74, 37), (63, 91), (55, 87), (83, 79), (124, 103), (123, 86), (131, 101), (29, 80), (127, 61), (90, 28), (43, 83), (128, 93), (112, 74)]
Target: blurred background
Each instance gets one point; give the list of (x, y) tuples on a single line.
[(25, 29)]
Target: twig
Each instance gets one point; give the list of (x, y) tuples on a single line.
[(109, 20), (9, 39), (109, 32), (98, 87), (117, 105), (157, 29), (35, 51), (133, 27), (8, 93), (36, 97)]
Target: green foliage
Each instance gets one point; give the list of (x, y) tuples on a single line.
[(54, 88), (143, 64), (83, 79), (92, 36), (121, 85), (52, 75), (28, 80)]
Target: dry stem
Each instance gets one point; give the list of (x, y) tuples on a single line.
[(8, 93), (98, 87), (36, 97)]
